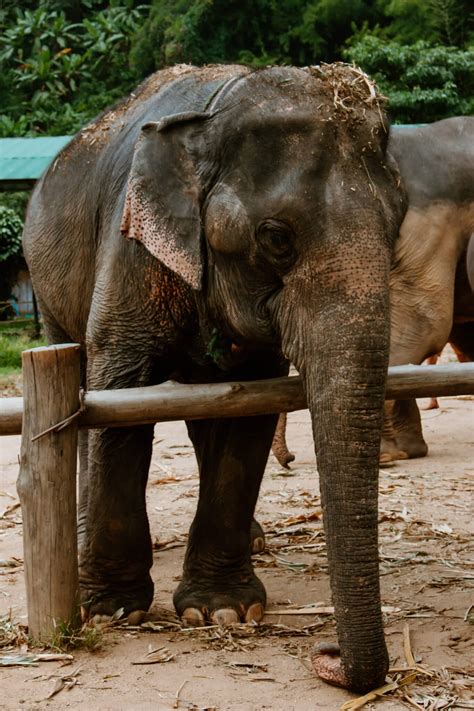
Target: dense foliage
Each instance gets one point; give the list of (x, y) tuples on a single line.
[(424, 82), (288, 31), (11, 227), (63, 61), (10, 234), (57, 73)]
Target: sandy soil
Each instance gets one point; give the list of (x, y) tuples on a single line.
[(427, 576)]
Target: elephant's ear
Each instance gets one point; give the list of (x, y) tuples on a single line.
[(162, 204)]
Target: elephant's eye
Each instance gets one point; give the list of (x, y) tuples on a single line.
[(275, 240)]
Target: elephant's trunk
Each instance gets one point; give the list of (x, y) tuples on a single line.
[(340, 344)]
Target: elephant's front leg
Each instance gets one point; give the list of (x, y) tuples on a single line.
[(408, 429), (218, 582), (116, 555)]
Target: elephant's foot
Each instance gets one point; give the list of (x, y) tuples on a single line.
[(221, 599), (390, 451), (257, 538), (327, 664), (414, 445), (99, 597), (432, 404)]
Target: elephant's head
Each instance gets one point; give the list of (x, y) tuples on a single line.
[(281, 207)]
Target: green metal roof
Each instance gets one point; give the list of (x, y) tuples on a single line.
[(24, 160)]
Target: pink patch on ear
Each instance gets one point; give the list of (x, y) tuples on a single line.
[(143, 221)]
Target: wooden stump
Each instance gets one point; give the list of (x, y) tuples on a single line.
[(47, 486)]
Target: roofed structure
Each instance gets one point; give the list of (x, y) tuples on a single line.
[(24, 160)]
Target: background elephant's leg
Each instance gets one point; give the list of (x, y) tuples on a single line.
[(389, 449), (433, 403), (408, 431), (279, 445), (218, 580)]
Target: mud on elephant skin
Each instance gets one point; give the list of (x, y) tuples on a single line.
[(226, 206)]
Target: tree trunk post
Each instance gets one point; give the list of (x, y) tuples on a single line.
[(47, 486)]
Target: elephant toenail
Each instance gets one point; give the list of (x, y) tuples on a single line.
[(258, 545), (98, 620), (226, 616), (255, 613), (193, 617), (136, 617)]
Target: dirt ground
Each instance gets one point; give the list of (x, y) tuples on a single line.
[(427, 572)]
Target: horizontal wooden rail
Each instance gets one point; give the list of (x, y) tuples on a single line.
[(177, 401)]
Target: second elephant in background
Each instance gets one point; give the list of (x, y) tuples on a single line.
[(431, 294)]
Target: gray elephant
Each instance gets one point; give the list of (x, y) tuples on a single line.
[(431, 299), (214, 225)]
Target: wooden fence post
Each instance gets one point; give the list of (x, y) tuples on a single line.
[(47, 486)]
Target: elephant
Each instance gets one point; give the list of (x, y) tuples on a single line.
[(432, 275), (216, 224), (431, 299)]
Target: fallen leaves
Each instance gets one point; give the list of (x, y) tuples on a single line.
[(177, 541), (6, 516), (442, 528), (12, 634), (11, 563), (22, 659), (159, 655), (64, 681), (435, 689), (361, 701)]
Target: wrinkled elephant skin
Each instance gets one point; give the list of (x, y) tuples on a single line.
[(432, 302), (213, 226)]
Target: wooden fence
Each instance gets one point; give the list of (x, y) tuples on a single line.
[(52, 410)]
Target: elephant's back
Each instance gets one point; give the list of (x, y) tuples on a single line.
[(436, 161)]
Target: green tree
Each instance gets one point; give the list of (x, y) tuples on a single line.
[(423, 82), (448, 22), (57, 74), (257, 32), (11, 227)]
